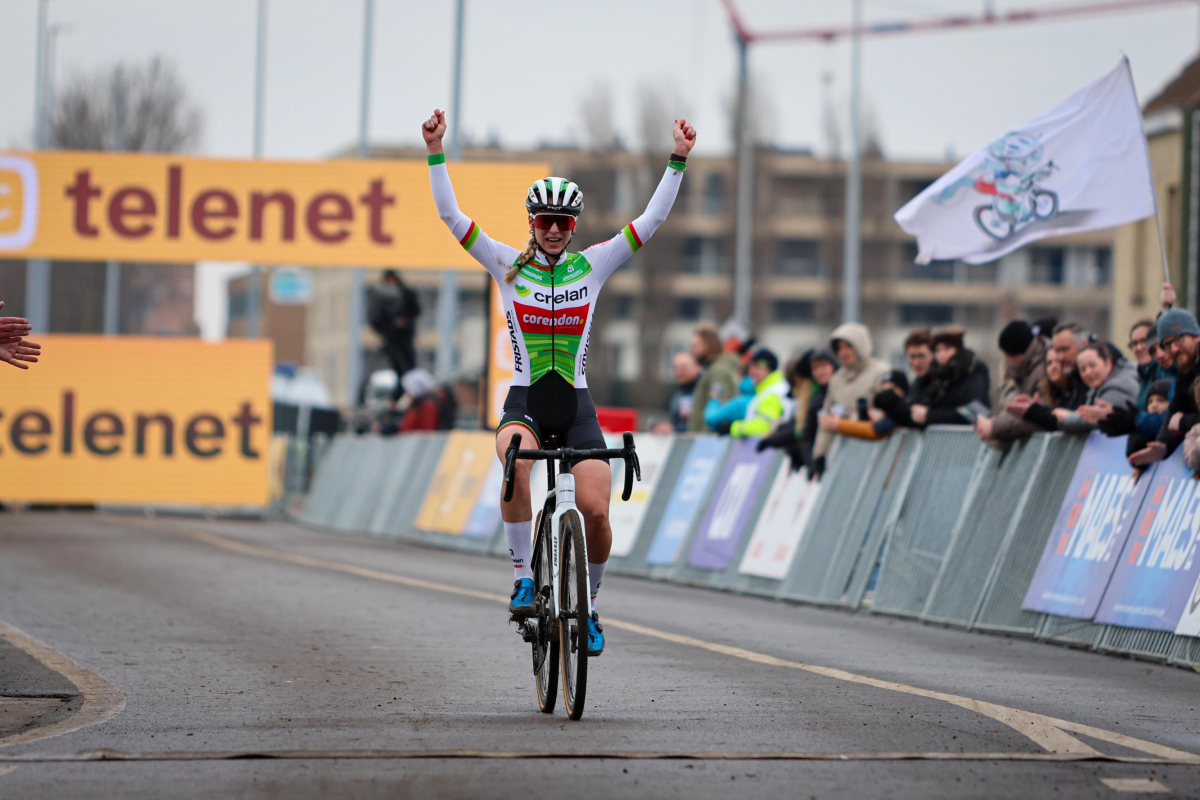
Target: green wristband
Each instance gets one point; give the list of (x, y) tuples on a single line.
[(677, 165), (437, 158)]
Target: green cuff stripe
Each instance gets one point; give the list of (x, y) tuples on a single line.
[(471, 237), (439, 158), (678, 166), (629, 237)]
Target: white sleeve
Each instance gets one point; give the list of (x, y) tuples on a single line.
[(495, 257), (607, 256)]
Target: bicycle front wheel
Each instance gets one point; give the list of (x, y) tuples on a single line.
[(545, 646), (573, 606)]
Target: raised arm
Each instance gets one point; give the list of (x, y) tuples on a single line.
[(495, 257), (607, 256)]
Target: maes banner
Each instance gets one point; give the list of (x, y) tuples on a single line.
[(88, 206), (132, 419)]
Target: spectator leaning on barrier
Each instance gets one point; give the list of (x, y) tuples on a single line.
[(719, 415), (1024, 351), (1147, 423), (1061, 388), (720, 376), (1179, 334), (918, 352), (797, 436), (1069, 338), (1148, 370), (878, 424), (859, 377), (686, 371), (771, 402), (957, 392), (1111, 381)]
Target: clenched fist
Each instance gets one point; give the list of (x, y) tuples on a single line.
[(685, 137), (432, 130)]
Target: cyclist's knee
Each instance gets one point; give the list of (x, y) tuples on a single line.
[(595, 514)]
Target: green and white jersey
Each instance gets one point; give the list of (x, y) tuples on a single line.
[(549, 308)]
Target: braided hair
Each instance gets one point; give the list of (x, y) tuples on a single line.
[(524, 258)]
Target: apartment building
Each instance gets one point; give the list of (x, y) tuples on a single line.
[(685, 273)]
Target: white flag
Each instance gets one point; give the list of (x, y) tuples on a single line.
[(1081, 167)]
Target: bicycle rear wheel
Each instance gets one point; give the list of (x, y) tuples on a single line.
[(545, 645), (573, 605)]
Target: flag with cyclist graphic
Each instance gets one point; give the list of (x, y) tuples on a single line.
[(1082, 166)]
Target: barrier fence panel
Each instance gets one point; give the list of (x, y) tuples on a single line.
[(403, 511), (1001, 608), (1074, 632), (1140, 642), (403, 454), (635, 561), (333, 474), (941, 489), (1005, 482), (1186, 652), (891, 501), (363, 495), (842, 489), (853, 551), (675, 531), (454, 490), (730, 511)]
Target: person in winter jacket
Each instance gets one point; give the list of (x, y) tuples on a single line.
[(720, 416), (859, 376), (1110, 383), (1147, 423), (393, 312), (721, 373), (797, 436), (879, 424), (1024, 349), (918, 353), (1179, 334), (959, 386), (771, 402)]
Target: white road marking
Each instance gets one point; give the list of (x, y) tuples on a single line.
[(1048, 733), (6, 770), (1140, 785), (101, 700)]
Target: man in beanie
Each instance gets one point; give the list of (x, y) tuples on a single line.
[(1024, 350), (1179, 334), (771, 402)]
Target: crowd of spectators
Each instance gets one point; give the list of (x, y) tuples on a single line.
[(1056, 376)]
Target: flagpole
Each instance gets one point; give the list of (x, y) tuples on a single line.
[(1162, 244)]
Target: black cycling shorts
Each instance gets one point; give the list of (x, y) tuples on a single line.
[(553, 407)]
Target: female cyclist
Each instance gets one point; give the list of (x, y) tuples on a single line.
[(549, 298)]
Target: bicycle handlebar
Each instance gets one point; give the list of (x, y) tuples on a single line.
[(633, 466)]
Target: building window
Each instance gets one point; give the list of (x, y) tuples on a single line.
[(797, 257), (1046, 265), (933, 271), (691, 309), (926, 314), (624, 306), (702, 255), (793, 312), (714, 193), (1103, 266)]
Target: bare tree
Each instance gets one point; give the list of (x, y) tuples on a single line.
[(596, 116), (142, 108)]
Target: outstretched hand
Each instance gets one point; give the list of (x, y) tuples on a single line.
[(11, 327), (685, 137), (433, 129), (14, 351)]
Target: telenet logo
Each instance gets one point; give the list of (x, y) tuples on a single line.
[(18, 202)]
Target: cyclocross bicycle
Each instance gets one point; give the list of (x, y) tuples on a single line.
[(558, 628)]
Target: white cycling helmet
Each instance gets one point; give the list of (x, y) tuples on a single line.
[(554, 196)]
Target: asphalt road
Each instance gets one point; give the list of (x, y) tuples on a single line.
[(371, 668)]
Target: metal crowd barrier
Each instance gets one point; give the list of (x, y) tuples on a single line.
[(930, 525)]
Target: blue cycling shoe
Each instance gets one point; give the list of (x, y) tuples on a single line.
[(595, 636), (521, 605)]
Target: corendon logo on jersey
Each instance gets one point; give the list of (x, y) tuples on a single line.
[(565, 321)]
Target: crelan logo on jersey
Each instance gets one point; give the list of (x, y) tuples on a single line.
[(18, 202), (523, 291)]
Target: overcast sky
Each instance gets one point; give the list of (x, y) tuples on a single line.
[(529, 64)]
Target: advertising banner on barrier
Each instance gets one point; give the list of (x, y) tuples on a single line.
[(1088, 534), (626, 516), (457, 482), (133, 419), (691, 487), (485, 516), (95, 206), (777, 534), (1158, 567), (729, 508), (1189, 621)]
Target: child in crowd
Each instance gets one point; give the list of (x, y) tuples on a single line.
[(1148, 423)]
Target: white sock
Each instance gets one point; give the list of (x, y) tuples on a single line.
[(595, 575), (519, 546)]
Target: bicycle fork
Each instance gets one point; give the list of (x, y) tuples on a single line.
[(564, 501)]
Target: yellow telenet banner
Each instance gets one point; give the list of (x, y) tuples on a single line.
[(138, 420), (92, 206)]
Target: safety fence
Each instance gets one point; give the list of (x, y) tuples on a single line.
[(1051, 539)]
